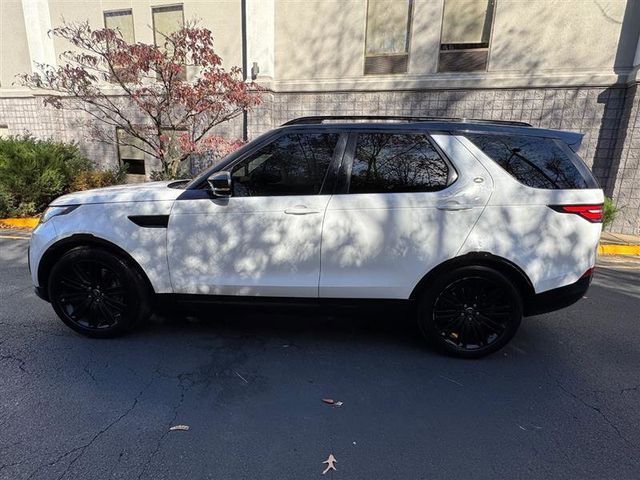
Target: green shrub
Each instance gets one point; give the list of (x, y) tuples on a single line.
[(609, 211), (33, 172), (88, 179)]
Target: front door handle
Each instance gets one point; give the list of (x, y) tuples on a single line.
[(452, 205), (300, 210)]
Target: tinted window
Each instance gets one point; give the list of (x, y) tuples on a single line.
[(293, 164), (536, 162), (386, 163)]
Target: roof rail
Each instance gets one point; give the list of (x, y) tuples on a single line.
[(323, 118)]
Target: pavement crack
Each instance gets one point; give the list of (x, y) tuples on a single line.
[(21, 362), (80, 450), (182, 378), (597, 410)]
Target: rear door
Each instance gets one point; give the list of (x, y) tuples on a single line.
[(404, 204), (265, 238)]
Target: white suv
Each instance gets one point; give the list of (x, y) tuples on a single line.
[(473, 224)]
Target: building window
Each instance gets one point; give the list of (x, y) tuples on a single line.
[(167, 20), (122, 21), (387, 36), (129, 155), (466, 32)]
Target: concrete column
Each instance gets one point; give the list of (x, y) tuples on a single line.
[(261, 38), (37, 23)]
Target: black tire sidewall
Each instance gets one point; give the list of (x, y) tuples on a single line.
[(428, 298), (134, 286)]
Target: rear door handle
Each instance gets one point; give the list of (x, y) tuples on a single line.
[(300, 210), (452, 205)]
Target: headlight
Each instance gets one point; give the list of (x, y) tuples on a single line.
[(51, 212)]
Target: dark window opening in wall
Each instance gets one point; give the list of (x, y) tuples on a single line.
[(120, 21), (387, 36), (167, 20), (129, 155), (465, 37)]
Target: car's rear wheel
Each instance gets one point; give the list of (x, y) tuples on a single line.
[(97, 293), (470, 312)]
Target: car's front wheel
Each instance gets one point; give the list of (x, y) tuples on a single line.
[(470, 312), (97, 293)]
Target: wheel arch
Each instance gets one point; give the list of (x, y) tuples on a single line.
[(512, 271), (59, 248)]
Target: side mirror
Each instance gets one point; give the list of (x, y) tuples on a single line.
[(220, 183)]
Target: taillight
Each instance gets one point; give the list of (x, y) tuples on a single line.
[(592, 213)]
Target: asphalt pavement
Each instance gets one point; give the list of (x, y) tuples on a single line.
[(560, 402)]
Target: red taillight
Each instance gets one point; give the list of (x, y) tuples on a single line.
[(593, 213)]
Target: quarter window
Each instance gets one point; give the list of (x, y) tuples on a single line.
[(391, 163), (466, 32), (536, 162), (294, 164)]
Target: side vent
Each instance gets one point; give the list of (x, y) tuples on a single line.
[(150, 221)]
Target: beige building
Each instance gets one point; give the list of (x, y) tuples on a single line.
[(569, 64)]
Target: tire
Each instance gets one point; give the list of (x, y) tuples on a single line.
[(97, 293), (470, 312)]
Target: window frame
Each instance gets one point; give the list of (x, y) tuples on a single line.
[(404, 55), (168, 8), (330, 177), (120, 11), (344, 174), (466, 47)]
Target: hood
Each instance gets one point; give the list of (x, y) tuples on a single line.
[(136, 192)]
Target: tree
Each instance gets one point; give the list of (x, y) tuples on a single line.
[(154, 108)]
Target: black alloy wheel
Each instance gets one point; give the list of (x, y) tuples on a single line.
[(471, 312), (97, 293)]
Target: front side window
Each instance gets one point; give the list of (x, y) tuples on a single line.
[(466, 32), (387, 36), (534, 161), (293, 164), (392, 163)]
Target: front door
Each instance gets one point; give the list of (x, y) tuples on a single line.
[(264, 239)]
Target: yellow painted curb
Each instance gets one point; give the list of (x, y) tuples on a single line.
[(604, 249), (20, 222)]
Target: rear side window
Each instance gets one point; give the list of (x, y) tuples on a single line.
[(535, 161), (392, 163), (293, 164)]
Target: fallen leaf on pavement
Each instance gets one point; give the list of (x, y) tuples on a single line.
[(330, 463), (179, 427)]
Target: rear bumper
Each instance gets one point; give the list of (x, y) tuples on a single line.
[(557, 298)]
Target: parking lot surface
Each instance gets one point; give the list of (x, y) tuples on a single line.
[(561, 401)]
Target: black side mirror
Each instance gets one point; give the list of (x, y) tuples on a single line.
[(220, 183)]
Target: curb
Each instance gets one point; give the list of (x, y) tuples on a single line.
[(20, 222), (613, 249)]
